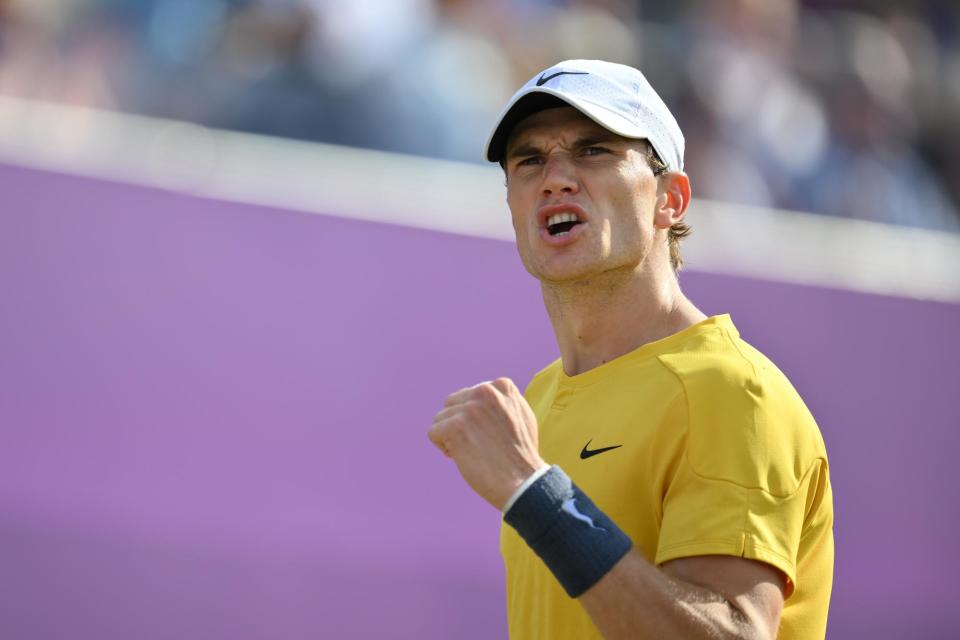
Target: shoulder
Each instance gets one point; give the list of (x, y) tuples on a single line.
[(719, 363), (747, 423)]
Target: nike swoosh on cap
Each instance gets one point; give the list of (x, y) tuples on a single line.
[(586, 453), (542, 80)]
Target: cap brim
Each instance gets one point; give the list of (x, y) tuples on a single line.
[(537, 99)]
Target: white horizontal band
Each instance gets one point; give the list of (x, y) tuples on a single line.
[(808, 249), (533, 477)]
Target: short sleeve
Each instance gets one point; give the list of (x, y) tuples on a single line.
[(750, 470)]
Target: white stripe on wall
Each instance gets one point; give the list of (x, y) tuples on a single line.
[(455, 197)]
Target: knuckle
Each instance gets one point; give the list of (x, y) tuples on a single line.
[(455, 397), (505, 386), (486, 391)]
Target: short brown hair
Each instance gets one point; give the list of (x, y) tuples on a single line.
[(679, 230)]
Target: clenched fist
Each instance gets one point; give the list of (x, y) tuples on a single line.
[(490, 432)]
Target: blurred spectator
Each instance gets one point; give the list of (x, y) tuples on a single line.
[(837, 107)]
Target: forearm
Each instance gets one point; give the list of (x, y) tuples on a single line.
[(625, 595), (637, 600)]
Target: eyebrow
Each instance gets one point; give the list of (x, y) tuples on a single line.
[(604, 137), (589, 140)]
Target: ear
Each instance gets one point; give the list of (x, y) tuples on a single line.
[(673, 198)]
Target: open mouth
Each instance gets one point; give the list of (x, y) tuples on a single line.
[(561, 223)]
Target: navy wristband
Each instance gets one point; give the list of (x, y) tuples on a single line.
[(575, 539)]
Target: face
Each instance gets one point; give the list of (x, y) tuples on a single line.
[(584, 201)]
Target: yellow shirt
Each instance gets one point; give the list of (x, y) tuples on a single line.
[(715, 454)]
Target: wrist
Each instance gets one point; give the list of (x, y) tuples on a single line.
[(523, 486), (575, 539)]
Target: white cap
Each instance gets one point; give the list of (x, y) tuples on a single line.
[(615, 96)]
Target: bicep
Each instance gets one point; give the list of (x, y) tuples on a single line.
[(755, 589)]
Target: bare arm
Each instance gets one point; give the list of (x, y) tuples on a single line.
[(715, 597), (490, 432)]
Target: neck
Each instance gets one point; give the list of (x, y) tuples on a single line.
[(605, 317)]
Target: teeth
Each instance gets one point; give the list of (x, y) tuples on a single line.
[(557, 218)]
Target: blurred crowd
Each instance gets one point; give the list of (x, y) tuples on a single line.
[(840, 107)]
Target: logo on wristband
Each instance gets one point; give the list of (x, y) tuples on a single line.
[(570, 506)]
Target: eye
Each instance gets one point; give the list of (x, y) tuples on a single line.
[(595, 151), (532, 160)]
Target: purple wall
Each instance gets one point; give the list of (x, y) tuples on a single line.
[(213, 422)]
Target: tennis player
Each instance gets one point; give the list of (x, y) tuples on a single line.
[(662, 479)]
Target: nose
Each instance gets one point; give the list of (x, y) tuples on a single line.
[(560, 176)]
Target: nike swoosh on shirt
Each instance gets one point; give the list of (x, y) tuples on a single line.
[(586, 453), (542, 80)]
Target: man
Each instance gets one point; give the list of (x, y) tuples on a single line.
[(689, 495)]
